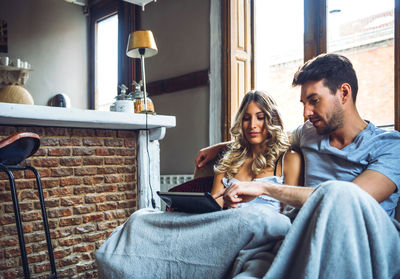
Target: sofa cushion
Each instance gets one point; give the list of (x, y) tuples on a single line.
[(201, 184)]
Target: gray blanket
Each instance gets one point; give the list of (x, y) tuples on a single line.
[(155, 244), (341, 232)]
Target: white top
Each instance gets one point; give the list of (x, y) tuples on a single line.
[(263, 199)]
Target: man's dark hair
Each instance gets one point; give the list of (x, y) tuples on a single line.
[(333, 69)]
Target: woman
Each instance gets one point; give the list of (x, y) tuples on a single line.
[(259, 149), (155, 244)]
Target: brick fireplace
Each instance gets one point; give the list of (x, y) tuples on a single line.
[(96, 168)]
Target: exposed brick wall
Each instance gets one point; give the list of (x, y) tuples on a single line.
[(375, 99), (89, 181)]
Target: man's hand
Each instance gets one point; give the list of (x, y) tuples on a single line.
[(208, 153), (240, 192)]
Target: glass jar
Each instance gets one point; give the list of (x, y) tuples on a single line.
[(123, 101), (138, 102)]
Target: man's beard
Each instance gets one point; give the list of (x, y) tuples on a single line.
[(335, 121)]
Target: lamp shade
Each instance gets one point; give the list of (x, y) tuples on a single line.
[(141, 39)]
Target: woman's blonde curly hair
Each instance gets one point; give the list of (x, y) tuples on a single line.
[(275, 143)]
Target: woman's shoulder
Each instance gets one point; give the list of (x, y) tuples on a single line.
[(292, 157), (293, 168), (287, 160), (292, 154)]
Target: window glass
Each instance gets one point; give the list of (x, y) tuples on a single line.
[(106, 62), (279, 37), (363, 31)]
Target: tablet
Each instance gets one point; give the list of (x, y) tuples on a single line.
[(190, 202)]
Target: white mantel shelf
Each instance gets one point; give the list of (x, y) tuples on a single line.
[(148, 154), (17, 114)]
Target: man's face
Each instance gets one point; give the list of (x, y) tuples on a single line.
[(321, 107)]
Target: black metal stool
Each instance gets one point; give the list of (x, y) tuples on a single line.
[(13, 151)]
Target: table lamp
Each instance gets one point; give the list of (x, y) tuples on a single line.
[(141, 44)]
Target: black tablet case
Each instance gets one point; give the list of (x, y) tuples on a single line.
[(190, 202)]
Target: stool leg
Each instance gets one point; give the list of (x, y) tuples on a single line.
[(45, 222), (18, 221)]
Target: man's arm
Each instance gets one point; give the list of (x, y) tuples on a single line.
[(376, 184), (240, 192), (209, 153), (297, 196)]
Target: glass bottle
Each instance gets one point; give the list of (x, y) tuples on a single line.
[(123, 101), (138, 100)]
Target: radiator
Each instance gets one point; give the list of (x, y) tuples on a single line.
[(171, 180)]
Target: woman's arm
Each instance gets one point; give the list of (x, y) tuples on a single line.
[(218, 187), (293, 169)]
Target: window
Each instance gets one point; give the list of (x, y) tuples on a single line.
[(279, 53), (106, 61), (366, 31), (363, 31), (110, 24)]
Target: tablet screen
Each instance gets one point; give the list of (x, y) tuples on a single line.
[(190, 202)]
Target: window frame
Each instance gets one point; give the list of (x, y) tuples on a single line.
[(238, 57)]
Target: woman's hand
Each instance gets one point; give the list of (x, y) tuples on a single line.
[(240, 192)]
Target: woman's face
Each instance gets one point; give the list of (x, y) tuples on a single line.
[(253, 124)]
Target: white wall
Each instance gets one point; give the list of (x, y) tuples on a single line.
[(52, 36), (181, 144), (182, 33)]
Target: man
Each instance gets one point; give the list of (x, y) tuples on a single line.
[(341, 230)]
